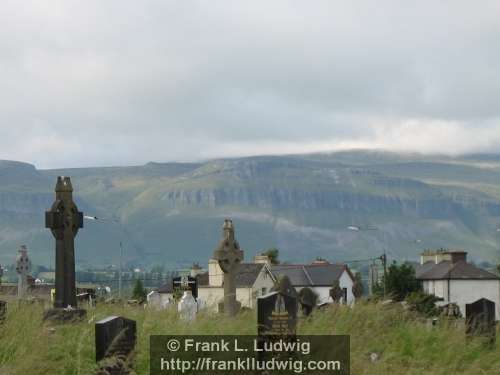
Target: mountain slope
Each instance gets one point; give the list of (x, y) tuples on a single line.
[(171, 213)]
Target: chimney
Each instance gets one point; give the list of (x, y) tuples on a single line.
[(196, 270), (318, 261), (441, 255), (262, 259), (215, 274)]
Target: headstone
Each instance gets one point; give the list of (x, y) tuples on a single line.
[(114, 336), (64, 220), (3, 311), (480, 319), (187, 307), (276, 315), (23, 268), (276, 321), (183, 283), (229, 255)]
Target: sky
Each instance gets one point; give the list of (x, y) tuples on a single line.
[(95, 83)]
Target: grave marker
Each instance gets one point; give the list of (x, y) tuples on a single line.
[(64, 220), (184, 283), (3, 311), (277, 315), (229, 255), (480, 319), (114, 336), (23, 268), (187, 306)]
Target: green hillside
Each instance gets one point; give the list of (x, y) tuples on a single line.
[(171, 213)]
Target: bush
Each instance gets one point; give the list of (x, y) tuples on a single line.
[(423, 303)]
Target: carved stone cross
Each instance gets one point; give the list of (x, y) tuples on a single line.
[(64, 220), (23, 268), (229, 255)]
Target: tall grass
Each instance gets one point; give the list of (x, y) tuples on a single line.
[(405, 343)]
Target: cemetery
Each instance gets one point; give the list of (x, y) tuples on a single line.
[(66, 336)]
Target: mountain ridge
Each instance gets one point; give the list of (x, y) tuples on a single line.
[(170, 213)]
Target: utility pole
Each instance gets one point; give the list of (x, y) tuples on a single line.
[(120, 272), (383, 258)]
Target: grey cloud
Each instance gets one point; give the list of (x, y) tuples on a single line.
[(124, 82)]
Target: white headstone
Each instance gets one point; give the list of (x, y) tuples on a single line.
[(187, 306)]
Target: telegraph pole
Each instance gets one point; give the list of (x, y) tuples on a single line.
[(120, 272), (383, 258)]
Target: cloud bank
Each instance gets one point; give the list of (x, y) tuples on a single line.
[(126, 82)]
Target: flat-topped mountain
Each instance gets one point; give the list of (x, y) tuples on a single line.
[(171, 213)]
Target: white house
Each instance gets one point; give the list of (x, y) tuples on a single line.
[(252, 280), (446, 274), (319, 277)]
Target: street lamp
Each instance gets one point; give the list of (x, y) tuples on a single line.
[(114, 221)]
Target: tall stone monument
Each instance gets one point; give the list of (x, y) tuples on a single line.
[(64, 220), (23, 268), (229, 255)]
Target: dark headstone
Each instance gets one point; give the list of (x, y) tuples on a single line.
[(276, 315), (183, 283), (114, 336), (480, 319), (64, 220), (3, 310)]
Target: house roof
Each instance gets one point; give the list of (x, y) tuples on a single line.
[(246, 276), (311, 274), (456, 271), (167, 287)]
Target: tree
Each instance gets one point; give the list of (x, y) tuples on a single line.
[(273, 255), (498, 267), (139, 293), (400, 282), (308, 300), (357, 288), (336, 292)]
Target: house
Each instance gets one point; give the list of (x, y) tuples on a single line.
[(252, 280), (319, 276), (446, 274), (161, 297)]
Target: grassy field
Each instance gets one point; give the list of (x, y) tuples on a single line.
[(406, 345)]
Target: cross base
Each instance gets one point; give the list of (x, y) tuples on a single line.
[(58, 315)]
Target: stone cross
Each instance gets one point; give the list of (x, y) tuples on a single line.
[(23, 268), (64, 220), (229, 255)]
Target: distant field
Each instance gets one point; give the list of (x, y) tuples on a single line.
[(406, 345)]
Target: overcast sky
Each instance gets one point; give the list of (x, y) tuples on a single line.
[(86, 83)]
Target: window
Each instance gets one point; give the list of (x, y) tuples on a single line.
[(344, 295), (264, 291)]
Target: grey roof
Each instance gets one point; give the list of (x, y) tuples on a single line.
[(246, 276), (311, 274), (166, 288), (456, 271)]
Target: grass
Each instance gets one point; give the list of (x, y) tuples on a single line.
[(405, 344)]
